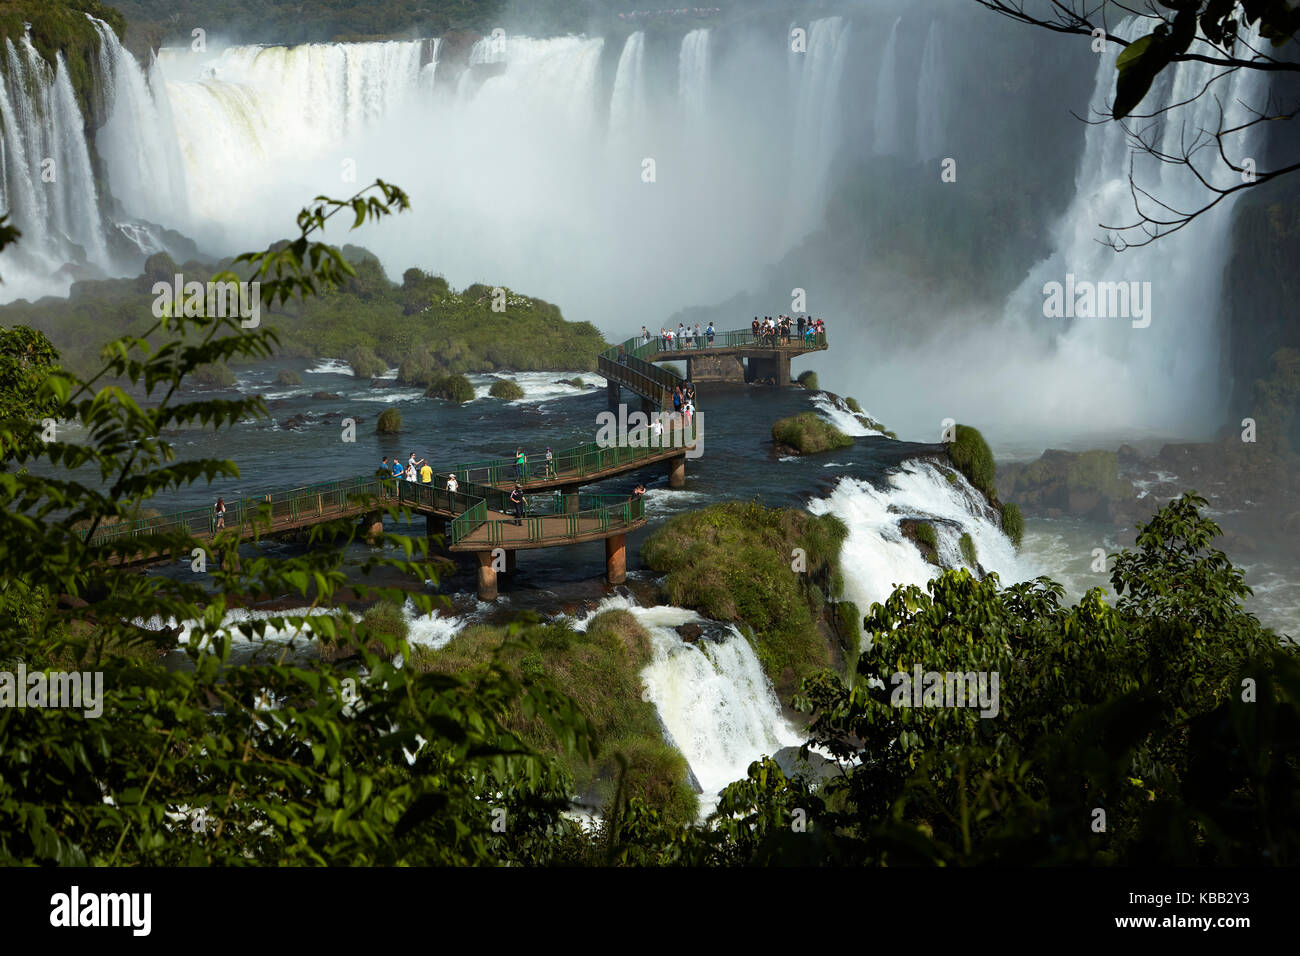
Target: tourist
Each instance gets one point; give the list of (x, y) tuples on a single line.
[(799, 326), (637, 493), (550, 463), (412, 467), (452, 484), (754, 325), (517, 499), (657, 430), (687, 411), (645, 335), (668, 340), (677, 398), (622, 356), (221, 513), (396, 469), (681, 334), (387, 469), (521, 464), (699, 336), (709, 333), (426, 474)]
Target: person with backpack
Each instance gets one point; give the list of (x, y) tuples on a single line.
[(709, 334)]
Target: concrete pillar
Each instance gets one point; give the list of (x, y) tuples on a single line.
[(374, 525), (512, 562), (570, 493), (487, 576), (677, 472), (783, 370), (611, 392), (616, 559)]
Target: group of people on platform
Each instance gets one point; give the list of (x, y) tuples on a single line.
[(683, 338), (415, 470), (779, 331)]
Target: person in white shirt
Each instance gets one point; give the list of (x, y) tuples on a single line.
[(452, 484)]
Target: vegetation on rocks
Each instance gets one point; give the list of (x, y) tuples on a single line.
[(365, 363), (452, 387), (506, 389), (1013, 523), (213, 375), (287, 376), (599, 669), (970, 454), (736, 561), (390, 422), (808, 380), (808, 433), (968, 554), (61, 26)]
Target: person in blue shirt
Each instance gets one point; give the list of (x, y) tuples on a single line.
[(397, 468)]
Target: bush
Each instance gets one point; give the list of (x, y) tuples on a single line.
[(506, 389), (385, 619), (856, 409), (390, 422), (213, 375), (972, 457), (288, 376), (365, 363), (1013, 524), (807, 434), (453, 387), (808, 380), (967, 544), (926, 534)]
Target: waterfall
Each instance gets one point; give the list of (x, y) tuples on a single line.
[(1170, 367), (627, 105), (876, 556), (931, 97), (817, 126), (885, 121), (693, 74), (48, 176)]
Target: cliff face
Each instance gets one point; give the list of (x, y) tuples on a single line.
[(61, 26)]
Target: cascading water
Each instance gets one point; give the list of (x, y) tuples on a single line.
[(627, 105), (931, 97), (693, 69), (885, 119), (876, 556)]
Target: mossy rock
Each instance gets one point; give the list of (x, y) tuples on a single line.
[(854, 407), (808, 380), (732, 562), (1013, 523), (452, 387), (970, 454), (506, 390), (967, 545), (213, 375), (390, 422), (923, 535), (808, 434), (380, 629), (287, 376), (364, 362)]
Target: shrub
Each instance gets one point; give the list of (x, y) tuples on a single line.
[(968, 554), (506, 389), (214, 375), (288, 376), (972, 457), (453, 387), (1013, 523), (926, 534), (808, 380), (807, 434), (390, 422), (854, 407), (385, 619), (365, 363)]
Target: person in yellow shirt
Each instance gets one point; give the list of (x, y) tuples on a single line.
[(426, 474)]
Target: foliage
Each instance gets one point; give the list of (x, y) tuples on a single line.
[(506, 389), (853, 406), (967, 545), (213, 375), (733, 562), (926, 534), (599, 669), (235, 765), (26, 360), (1013, 523), (808, 433), (808, 380), (365, 363), (390, 422), (450, 386), (970, 454), (287, 376), (61, 26)]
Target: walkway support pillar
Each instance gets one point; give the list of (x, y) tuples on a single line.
[(611, 392), (487, 576), (434, 526), (571, 502), (616, 559), (512, 562), (677, 472), (374, 523)]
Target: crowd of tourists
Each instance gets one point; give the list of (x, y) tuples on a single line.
[(783, 329)]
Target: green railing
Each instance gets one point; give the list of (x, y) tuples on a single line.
[(622, 513), (738, 338)]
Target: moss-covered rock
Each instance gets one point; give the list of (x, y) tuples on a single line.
[(600, 669), (61, 26), (1013, 523), (854, 407), (968, 553), (287, 376), (970, 454), (390, 422), (807, 434), (506, 390), (212, 375), (808, 380), (452, 387), (365, 363), (737, 561), (923, 535)]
